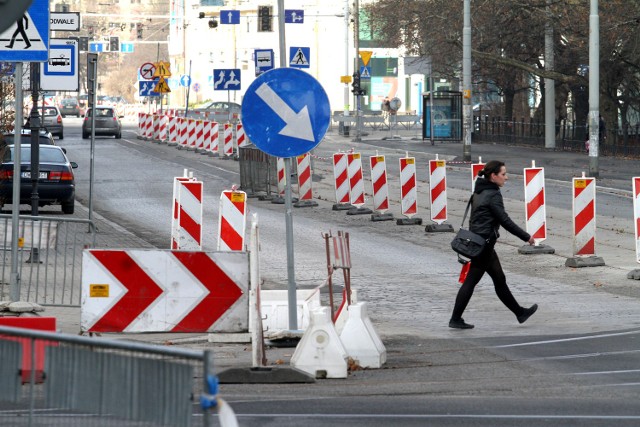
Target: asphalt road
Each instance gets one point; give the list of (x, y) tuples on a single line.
[(576, 362)]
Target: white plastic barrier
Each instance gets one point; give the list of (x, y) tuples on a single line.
[(274, 306), (361, 340)]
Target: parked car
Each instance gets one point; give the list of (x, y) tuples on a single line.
[(45, 138), (56, 182), (51, 121), (70, 107), (221, 111), (107, 122)]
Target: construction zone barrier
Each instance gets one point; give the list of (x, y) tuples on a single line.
[(475, 170), (360, 339), (199, 136), (241, 136), (535, 210), (380, 188), (214, 142), (173, 131), (232, 220), (320, 352), (228, 141), (305, 187), (356, 185), (282, 177), (341, 182), (635, 183), (189, 209), (438, 196), (206, 137), (408, 192), (584, 223)]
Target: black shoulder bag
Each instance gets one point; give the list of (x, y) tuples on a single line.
[(467, 243)]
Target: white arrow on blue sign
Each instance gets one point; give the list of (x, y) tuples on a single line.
[(28, 39), (229, 16), (294, 16), (126, 47), (185, 80), (286, 112), (226, 79), (97, 47), (146, 88)]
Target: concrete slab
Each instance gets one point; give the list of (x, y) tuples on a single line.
[(382, 217), (305, 204), (536, 250), (265, 375), (439, 228), (359, 211), (579, 262), (409, 221), (342, 207)]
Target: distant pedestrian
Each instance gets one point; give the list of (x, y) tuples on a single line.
[(487, 215)]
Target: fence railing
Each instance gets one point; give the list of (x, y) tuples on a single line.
[(569, 136), (80, 381)]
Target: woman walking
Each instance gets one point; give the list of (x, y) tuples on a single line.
[(487, 215)]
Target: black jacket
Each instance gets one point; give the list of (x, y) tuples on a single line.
[(488, 214)]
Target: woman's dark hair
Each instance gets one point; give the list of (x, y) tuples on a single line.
[(493, 166)]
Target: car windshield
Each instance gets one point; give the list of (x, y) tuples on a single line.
[(50, 112), (47, 155), (102, 112)]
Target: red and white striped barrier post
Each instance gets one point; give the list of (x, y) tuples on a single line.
[(305, 187), (214, 140), (191, 134), (356, 185), (282, 181), (635, 181), (175, 208), (380, 188), (341, 182), (228, 141), (535, 210), (475, 170), (183, 138), (438, 196), (408, 191), (148, 134), (232, 220), (206, 137), (142, 119), (156, 128), (584, 224), (241, 136), (189, 215), (173, 131), (199, 135)]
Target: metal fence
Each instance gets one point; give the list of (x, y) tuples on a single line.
[(258, 171), (50, 379), (569, 136), (49, 257)]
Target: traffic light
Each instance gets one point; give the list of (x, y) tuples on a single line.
[(139, 30), (355, 84), (83, 44), (265, 19), (114, 44)]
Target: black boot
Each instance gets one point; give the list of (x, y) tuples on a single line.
[(459, 324), (527, 312)]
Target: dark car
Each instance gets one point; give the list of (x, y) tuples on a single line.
[(70, 107), (56, 183), (107, 122), (45, 138)]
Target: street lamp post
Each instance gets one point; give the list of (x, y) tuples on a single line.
[(594, 88), (467, 111)]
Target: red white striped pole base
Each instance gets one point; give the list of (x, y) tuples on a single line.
[(341, 182), (438, 196), (535, 211), (584, 224), (282, 182), (380, 188), (356, 185), (305, 190), (408, 191), (635, 182)]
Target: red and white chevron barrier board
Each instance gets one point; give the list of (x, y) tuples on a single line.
[(173, 130), (190, 215), (206, 136), (341, 178), (228, 140), (199, 135), (438, 190), (534, 203), (305, 188), (175, 210), (475, 169), (282, 178), (356, 181), (408, 186), (232, 220), (379, 182), (183, 139), (191, 134), (164, 291), (584, 216), (241, 136), (636, 213), (214, 145)]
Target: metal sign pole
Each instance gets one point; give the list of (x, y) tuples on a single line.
[(15, 211), (92, 83)]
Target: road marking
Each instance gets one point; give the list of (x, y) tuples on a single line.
[(444, 416), (617, 334)]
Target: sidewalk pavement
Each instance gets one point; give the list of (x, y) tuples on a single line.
[(615, 245)]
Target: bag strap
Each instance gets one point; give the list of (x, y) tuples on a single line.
[(466, 211)]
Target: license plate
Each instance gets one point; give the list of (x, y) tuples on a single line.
[(43, 175)]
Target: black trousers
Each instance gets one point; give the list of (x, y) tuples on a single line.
[(487, 262)]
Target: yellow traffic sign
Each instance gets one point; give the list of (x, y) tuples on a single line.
[(345, 79), (162, 86), (162, 69), (366, 56)]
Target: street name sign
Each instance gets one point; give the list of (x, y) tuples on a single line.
[(67, 21), (286, 112)]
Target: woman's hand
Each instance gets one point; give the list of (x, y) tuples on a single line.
[(531, 241)]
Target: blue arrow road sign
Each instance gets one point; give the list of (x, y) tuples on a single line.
[(285, 112), (126, 47), (229, 16), (185, 80), (146, 88), (96, 47), (294, 16), (226, 79), (28, 39)]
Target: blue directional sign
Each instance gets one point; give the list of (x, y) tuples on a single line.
[(286, 112), (264, 60), (299, 57), (97, 47), (146, 88), (28, 39), (226, 79), (294, 16), (185, 80), (126, 47), (229, 16)]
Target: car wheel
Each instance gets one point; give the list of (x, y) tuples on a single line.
[(118, 135), (68, 207), (85, 135), (61, 136)]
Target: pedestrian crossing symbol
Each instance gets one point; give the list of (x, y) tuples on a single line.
[(27, 40), (299, 57), (365, 72)]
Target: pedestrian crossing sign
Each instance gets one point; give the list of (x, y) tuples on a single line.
[(299, 57), (27, 40), (365, 72)]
